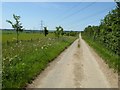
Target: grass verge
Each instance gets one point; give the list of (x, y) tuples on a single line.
[(110, 58)]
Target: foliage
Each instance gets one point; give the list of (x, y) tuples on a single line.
[(107, 33), (110, 58), (59, 31), (45, 31), (17, 26), (24, 60), (71, 33)]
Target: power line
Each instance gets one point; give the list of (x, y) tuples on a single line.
[(89, 22), (68, 16), (92, 15), (69, 9), (41, 25)]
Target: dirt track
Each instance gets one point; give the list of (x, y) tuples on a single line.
[(76, 68)]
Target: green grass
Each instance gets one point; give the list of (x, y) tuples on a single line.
[(23, 61), (11, 36), (110, 58)]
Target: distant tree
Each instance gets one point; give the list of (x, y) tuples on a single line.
[(45, 31), (61, 30), (17, 25), (57, 32)]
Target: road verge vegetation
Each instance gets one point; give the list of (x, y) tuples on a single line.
[(105, 38), (24, 60), (110, 58)]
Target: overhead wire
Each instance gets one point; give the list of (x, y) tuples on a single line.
[(82, 9), (66, 11), (92, 15)]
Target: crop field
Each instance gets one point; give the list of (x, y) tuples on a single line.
[(23, 61)]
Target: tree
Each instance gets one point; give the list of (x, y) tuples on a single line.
[(118, 4), (57, 32), (45, 31), (108, 32), (61, 30), (17, 25)]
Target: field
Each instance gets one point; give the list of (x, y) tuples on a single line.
[(23, 61), (10, 36)]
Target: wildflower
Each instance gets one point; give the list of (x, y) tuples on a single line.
[(19, 58), (49, 44), (15, 56), (20, 41), (49, 38), (23, 63), (41, 47), (7, 58), (4, 59), (14, 38), (16, 44), (36, 49), (34, 45), (10, 59)]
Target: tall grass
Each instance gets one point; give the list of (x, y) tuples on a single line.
[(23, 61)]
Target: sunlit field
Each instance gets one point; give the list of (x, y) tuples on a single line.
[(24, 60)]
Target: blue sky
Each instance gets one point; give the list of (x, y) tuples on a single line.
[(70, 15)]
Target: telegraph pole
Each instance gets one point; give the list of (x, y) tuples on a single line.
[(41, 25)]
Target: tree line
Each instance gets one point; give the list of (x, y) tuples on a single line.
[(17, 26), (108, 32)]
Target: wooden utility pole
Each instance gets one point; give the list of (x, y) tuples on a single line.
[(41, 26)]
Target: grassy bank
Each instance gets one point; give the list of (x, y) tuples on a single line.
[(23, 61), (110, 58)]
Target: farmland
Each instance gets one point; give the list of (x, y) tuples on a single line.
[(60, 45), (10, 36), (23, 61)]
